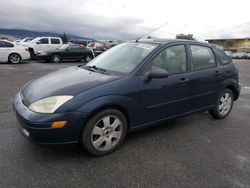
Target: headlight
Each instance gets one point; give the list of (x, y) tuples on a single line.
[(49, 104)]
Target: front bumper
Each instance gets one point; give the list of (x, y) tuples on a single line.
[(37, 127)]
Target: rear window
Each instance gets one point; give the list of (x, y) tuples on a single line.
[(55, 41), (203, 57), (224, 59)]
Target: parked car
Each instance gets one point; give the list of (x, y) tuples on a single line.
[(13, 53), (229, 53), (23, 41), (97, 47), (239, 55), (43, 44), (129, 87), (67, 51)]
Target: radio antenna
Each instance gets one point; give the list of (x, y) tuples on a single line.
[(151, 31)]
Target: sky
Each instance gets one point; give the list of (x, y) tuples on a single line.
[(128, 19)]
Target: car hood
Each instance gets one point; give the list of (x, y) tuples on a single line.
[(68, 81)]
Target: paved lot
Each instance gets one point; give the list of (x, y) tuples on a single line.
[(194, 151)]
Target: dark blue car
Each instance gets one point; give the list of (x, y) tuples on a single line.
[(129, 87)]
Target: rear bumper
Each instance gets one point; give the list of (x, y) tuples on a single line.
[(37, 128), (237, 94), (26, 56)]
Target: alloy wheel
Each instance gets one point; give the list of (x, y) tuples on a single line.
[(106, 133), (225, 103), (15, 58)]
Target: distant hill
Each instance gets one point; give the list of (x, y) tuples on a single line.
[(21, 33)]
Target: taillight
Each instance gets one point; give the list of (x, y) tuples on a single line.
[(26, 49)]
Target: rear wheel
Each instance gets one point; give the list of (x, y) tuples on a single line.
[(14, 58), (88, 58), (55, 58), (224, 105), (104, 132)]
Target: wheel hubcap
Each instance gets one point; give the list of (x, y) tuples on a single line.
[(88, 58), (14, 58), (56, 59), (225, 104), (106, 133)]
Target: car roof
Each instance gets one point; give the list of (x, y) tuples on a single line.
[(167, 41)]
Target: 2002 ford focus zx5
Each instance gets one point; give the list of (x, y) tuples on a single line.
[(132, 85)]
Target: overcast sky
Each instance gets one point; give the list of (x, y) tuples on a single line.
[(127, 19)]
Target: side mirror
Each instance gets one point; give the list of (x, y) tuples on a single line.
[(38, 42), (156, 73)]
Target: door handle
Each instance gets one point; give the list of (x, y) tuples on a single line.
[(217, 73), (183, 80)]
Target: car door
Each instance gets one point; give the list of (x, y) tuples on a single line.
[(3, 52), (73, 52), (43, 44), (205, 78), (163, 98), (55, 43)]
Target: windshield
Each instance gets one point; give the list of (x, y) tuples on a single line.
[(123, 58), (63, 47)]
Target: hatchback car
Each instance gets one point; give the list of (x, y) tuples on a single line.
[(129, 87)]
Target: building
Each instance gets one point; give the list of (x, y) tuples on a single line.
[(234, 44)]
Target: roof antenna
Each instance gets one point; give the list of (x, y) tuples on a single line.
[(151, 31)]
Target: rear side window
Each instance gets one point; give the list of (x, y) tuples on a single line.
[(44, 41), (4, 44), (203, 57), (224, 59), (55, 41), (9, 45)]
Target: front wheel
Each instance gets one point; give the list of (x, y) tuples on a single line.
[(104, 132), (87, 58), (56, 58), (224, 105)]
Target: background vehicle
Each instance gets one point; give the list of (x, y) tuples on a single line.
[(43, 44), (24, 41), (240, 55), (131, 86), (229, 54), (13, 53), (97, 47), (67, 51)]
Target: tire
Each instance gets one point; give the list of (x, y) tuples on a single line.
[(55, 58), (14, 58), (104, 132), (224, 105), (87, 58)]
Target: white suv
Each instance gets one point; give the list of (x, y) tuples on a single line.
[(43, 44)]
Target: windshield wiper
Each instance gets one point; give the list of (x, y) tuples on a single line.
[(95, 68)]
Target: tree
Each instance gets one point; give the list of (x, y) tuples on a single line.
[(185, 36), (64, 38)]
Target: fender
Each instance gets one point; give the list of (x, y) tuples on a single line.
[(233, 84), (127, 105)]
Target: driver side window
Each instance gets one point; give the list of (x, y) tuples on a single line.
[(173, 59)]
